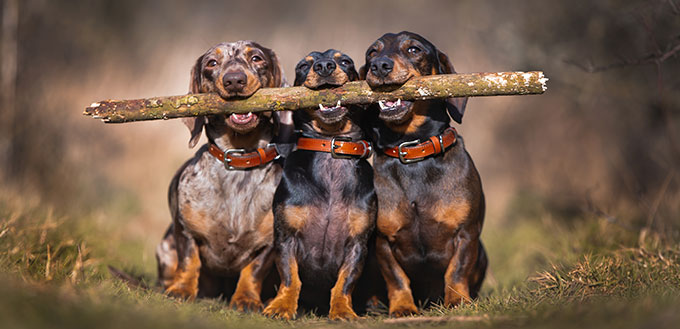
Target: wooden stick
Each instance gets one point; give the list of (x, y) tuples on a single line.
[(294, 98)]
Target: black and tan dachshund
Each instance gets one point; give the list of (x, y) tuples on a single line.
[(220, 239), (325, 206), (431, 204)]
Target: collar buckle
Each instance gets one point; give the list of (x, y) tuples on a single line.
[(334, 147), (278, 154), (227, 160), (402, 154)]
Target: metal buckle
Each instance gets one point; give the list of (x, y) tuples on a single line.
[(441, 144), (402, 153), (278, 154), (227, 161), (370, 150), (333, 147)]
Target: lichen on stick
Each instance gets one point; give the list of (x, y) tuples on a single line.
[(295, 98)]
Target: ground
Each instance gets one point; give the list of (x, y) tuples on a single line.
[(547, 270)]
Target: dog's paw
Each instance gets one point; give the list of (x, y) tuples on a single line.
[(344, 314), (403, 310), (181, 291), (277, 310), (245, 304), (341, 308)]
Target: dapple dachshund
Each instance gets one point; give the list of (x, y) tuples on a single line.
[(431, 205), (325, 206), (220, 239)]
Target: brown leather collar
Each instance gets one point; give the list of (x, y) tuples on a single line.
[(239, 159), (338, 147), (414, 151)]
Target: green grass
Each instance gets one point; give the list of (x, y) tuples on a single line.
[(548, 269)]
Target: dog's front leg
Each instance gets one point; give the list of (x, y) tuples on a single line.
[(341, 294), (465, 270), (184, 284), (284, 305), (398, 283), (246, 297)]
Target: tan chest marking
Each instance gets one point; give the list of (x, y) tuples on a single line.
[(358, 221), (390, 221), (266, 227), (451, 214), (195, 221), (296, 216)]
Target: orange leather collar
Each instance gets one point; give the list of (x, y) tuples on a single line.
[(338, 147), (414, 151), (239, 159)]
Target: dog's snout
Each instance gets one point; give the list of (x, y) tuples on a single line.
[(382, 66), (234, 81), (324, 67)]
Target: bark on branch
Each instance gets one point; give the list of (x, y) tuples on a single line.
[(294, 98)]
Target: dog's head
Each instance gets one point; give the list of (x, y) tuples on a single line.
[(320, 70), (233, 70), (394, 59)]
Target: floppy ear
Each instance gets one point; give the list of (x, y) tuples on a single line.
[(277, 72), (362, 72), (195, 84), (195, 124), (454, 105)]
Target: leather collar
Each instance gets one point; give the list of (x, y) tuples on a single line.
[(239, 159), (338, 147), (414, 151)]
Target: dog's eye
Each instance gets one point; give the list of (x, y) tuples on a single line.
[(303, 66), (345, 62), (413, 50), (212, 63), (256, 59), (372, 53)]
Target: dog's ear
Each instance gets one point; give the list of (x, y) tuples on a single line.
[(454, 105), (195, 84), (362, 72), (195, 124), (352, 74), (277, 72)]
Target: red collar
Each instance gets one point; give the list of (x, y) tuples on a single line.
[(239, 159), (414, 151), (338, 147)]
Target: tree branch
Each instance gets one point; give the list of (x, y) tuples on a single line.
[(293, 98)]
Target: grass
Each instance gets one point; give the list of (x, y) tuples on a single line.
[(548, 269)]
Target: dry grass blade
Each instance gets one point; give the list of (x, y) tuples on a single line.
[(77, 267), (444, 319)]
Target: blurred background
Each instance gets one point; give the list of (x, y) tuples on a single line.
[(600, 149)]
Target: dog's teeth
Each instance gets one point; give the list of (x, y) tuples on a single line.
[(398, 102), (338, 105), (382, 105), (320, 107)]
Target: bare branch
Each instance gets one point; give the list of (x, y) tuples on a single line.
[(674, 7), (647, 60), (294, 98)]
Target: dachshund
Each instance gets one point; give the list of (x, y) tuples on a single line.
[(431, 204), (220, 239), (325, 206)]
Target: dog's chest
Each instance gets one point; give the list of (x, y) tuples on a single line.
[(424, 201), (226, 208)]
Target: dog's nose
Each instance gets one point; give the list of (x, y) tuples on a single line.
[(382, 66), (234, 81), (324, 67)]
